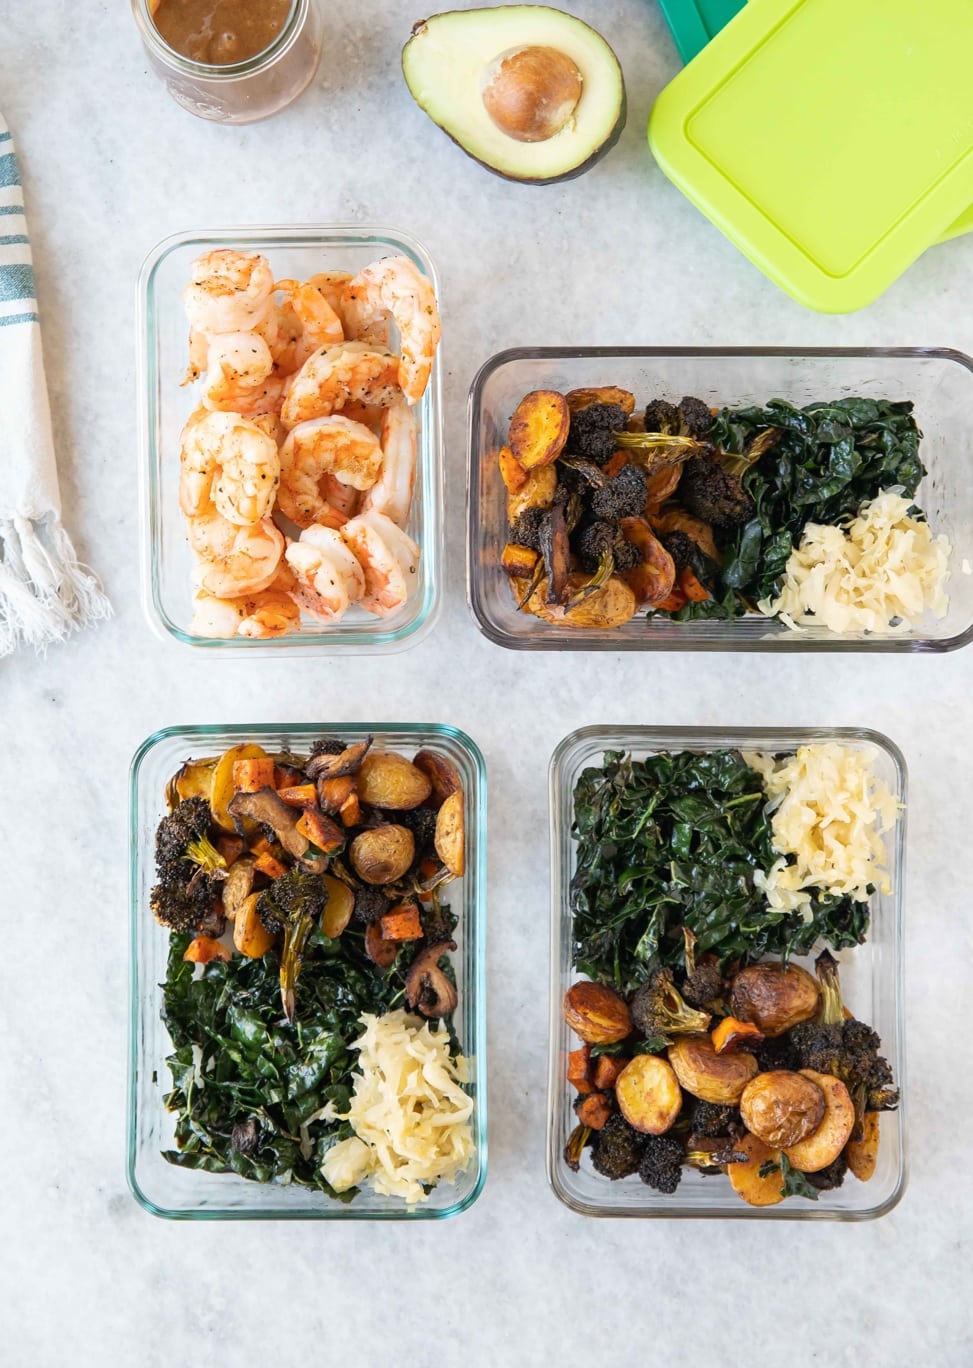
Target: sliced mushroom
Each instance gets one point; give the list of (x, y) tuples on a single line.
[(556, 551), (265, 807), (426, 986), (333, 766)]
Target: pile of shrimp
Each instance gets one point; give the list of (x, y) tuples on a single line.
[(305, 425)]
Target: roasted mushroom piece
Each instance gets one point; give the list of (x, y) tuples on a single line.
[(427, 988), (265, 807), (326, 766)]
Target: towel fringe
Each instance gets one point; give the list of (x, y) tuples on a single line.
[(45, 591)]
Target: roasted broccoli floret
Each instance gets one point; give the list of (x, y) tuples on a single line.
[(695, 419), (595, 541), (438, 922), (617, 1149), (778, 1053), (658, 1009), (526, 531), (661, 416), (327, 746), (186, 863), (660, 1166), (831, 1177), (292, 905), (848, 1049), (592, 431), (371, 904), (680, 547), (710, 1119), (421, 822), (705, 984), (710, 492), (623, 496)]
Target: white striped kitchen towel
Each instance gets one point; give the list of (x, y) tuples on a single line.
[(44, 592)]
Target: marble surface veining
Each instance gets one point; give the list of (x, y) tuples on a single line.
[(110, 165)]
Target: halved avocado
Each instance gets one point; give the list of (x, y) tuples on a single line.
[(530, 92)]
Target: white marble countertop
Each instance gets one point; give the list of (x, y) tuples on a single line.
[(110, 165)]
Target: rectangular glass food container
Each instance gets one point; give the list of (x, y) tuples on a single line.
[(191, 1194), (871, 982), (938, 381), (162, 353)]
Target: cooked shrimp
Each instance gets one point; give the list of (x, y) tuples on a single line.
[(228, 462), (234, 560), (240, 374), (331, 377), (305, 322), (391, 493), (329, 577), (228, 291), (395, 286), (342, 499), (388, 557), (331, 284), (324, 446), (271, 613)]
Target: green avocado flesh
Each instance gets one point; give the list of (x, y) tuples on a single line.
[(448, 60)]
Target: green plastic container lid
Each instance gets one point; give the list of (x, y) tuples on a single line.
[(693, 23), (831, 140)]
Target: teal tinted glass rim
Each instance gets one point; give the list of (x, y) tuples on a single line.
[(430, 466), (583, 745), (789, 645), (476, 870)]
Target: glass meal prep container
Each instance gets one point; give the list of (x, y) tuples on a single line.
[(938, 381), (192, 1194), (871, 983), (162, 352)]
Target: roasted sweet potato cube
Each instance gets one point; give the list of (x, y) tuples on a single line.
[(202, 949), (321, 831), (286, 776), (579, 1069), (379, 950), (270, 866), (512, 472), (593, 1110), (607, 1069), (299, 795), (732, 1034), (616, 462), (539, 428), (350, 810), (695, 591), (578, 399), (231, 848), (519, 562), (401, 923), (333, 792), (250, 776)]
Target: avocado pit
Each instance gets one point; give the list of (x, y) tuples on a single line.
[(531, 93)]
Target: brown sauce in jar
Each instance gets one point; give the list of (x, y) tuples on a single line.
[(219, 32)]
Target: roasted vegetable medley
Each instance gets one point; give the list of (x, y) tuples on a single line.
[(697, 1049), (691, 513), (303, 895)]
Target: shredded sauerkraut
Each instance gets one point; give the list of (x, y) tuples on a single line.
[(880, 573), (829, 812), (409, 1111)]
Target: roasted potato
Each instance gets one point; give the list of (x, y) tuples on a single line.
[(610, 606), (648, 1094), (661, 486), (774, 998), (745, 1178), (202, 949), (862, 1155), (578, 399), (194, 780), (223, 790), (450, 839), (780, 1107), (695, 529), (596, 1013), (537, 492), (339, 907), (539, 428), (382, 854), (237, 885), (651, 581), (332, 793), (512, 472), (823, 1145), (441, 773), (710, 1076), (250, 936), (389, 780)]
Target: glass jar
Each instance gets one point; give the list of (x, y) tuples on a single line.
[(240, 92)]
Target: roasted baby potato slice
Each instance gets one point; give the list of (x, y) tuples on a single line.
[(610, 606), (823, 1145), (648, 1094), (661, 486), (539, 428), (520, 562), (773, 997), (538, 492), (746, 1180), (781, 1108), (450, 839), (862, 1155), (441, 773), (339, 907), (578, 399), (388, 780), (194, 780), (652, 581), (512, 472), (695, 529), (382, 854), (250, 936), (596, 1013), (237, 885), (223, 790), (710, 1076)]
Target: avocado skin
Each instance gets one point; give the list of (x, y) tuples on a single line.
[(574, 173)]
